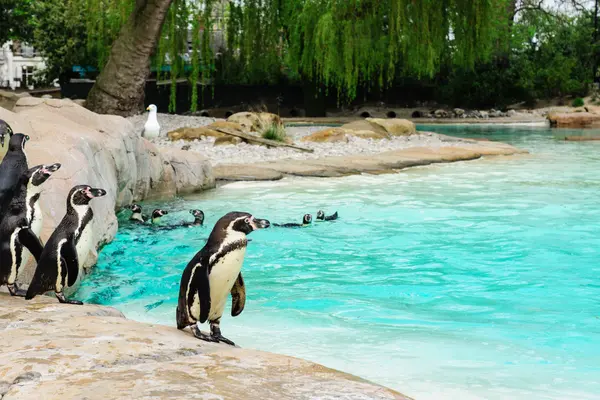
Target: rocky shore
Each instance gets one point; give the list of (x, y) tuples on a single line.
[(362, 146), (63, 352)]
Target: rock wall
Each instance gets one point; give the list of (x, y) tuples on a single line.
[(102, 151)]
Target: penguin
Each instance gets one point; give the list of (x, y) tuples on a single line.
[(4, 130), (157, 215), (322, 217), (136, 215), (151, 128), (58, 266), (214, 272), (13, 166), (198, 218), (306, 220), (15, 229), (198, 221)]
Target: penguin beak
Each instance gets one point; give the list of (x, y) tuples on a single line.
[(256, 223), (93, 193), (47, 171), (163, 213)]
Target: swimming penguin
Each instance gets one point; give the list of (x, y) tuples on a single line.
[(214, 272), (15, 229), (58, 266), (306, 220), (198, 218), (5, 129), (322, 217), (136, 214), (157, 215), (198, 221), (13, 166)]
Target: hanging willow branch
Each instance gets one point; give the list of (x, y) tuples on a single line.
[(340, 44)]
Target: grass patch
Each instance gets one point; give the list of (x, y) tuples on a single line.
[(274, 132), (578, 102)]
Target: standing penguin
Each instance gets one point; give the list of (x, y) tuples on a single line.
[(214, 272), (15, 228), (13, 166), (58, 266)]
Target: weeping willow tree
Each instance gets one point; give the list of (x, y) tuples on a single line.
[(338, 44)]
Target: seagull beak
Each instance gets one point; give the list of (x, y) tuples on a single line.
[(148, 108)]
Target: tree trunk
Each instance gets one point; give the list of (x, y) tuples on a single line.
[(119, 88)]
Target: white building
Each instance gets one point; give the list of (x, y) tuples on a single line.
[(18, 63)]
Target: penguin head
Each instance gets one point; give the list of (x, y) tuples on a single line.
[(4, 129), (320, 215), (81, 195), (135, 208), (158, 213), (17, 142), (152, 108), (198, 215), (239, 222), (41, 173), (307, 219)]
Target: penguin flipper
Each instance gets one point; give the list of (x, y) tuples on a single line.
[(238, 296), (69, 253), (31, 242), (5, 259), (44, 278), (202, 286)]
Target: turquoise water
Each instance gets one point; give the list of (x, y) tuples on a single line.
[(472, 280)]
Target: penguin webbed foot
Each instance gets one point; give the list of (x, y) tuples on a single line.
[(61, 299), (215, 333), (15, 291), (220, 338), (201, 335)]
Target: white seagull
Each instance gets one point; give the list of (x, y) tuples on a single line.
[(152, 128)]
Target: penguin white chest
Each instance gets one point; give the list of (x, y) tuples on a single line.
[(221, 279), (38, 219)]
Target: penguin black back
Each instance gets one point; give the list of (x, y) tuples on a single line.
[(13, 166)]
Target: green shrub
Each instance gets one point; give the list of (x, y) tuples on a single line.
[(578, 102), (274, 132)]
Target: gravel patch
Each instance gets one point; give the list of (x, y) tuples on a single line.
[(247, 154)]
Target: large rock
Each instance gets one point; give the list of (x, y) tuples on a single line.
[(337, 135), (64, 352), (574, 120), (394, 127), (255, 122), (103, 151), (8, 98), (197, 133)]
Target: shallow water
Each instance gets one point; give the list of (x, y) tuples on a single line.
[(472, 280)]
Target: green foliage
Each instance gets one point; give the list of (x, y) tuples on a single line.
[(274, 132), (578, 102), (15, 20), (470, 49), (60, 33)]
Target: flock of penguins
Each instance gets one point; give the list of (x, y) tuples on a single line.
[(212, 274)]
